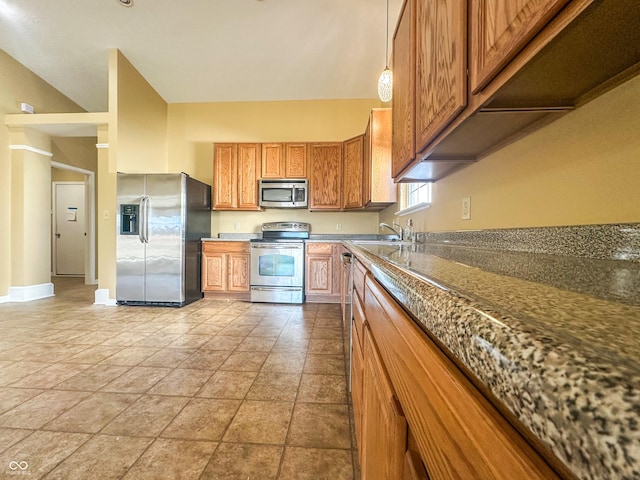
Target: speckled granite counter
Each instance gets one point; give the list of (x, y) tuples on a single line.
[(555, 339)]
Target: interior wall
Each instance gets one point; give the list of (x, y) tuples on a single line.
[(582, 169), (194, 128), (18, 84), (137, 142)]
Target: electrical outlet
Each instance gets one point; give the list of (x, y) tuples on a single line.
[(236, 225), (105, 214), (338, 226), (466, 208)]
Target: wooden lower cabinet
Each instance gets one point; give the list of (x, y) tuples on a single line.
[(420, 417), (226, 269), (323, 273)]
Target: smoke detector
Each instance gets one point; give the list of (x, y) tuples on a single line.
[(125, 3)]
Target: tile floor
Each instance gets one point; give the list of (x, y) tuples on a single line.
[(215, 390)]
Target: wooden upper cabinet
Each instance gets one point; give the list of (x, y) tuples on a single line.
[(225, 162), (404, 91), (499, 30), (248, 174), (295, 160), (378, 187), (441, 66), (272, 160), (352, 153), (325, 176), (235, 176)]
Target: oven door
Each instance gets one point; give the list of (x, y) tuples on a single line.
[(277, 264)]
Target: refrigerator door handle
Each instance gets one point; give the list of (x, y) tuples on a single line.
[(143, 232)]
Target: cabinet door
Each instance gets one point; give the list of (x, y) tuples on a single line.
[(319, 271), (441, 80), (404, 91), (353, 172), (381, 189), (499, 30), (238, 272), (248, 168), (325, 164), (295, 160), (357, 362), (272, 160), (384, 429), (224, 175), (214, 272)]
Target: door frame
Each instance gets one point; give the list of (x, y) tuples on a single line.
[(90, 220)]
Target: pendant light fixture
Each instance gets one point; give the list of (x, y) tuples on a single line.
[(385, 82)]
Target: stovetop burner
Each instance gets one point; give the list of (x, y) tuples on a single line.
[(282, 231)]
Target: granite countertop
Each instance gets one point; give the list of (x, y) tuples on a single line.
[(555, 339)]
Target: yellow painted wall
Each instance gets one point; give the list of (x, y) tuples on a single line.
[(582, 169), (77, 152), (137, 139), (193, 128), (18, 84)]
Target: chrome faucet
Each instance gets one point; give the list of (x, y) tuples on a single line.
[(398, 232)]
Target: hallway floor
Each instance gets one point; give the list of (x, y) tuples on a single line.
[(215, 390)]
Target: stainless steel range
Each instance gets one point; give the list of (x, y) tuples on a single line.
[(277, 263)]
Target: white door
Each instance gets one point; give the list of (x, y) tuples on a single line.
[(69, 231)]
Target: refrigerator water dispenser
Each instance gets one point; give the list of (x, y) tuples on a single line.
[(129, 219)]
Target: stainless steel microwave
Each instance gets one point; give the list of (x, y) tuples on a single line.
[(284, 193)]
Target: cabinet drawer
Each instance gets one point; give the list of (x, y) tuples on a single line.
[(357, 365), (359, 273), (359, 320), (320, 248), (225, 247)]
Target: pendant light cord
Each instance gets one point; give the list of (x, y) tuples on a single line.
[(386, 58)]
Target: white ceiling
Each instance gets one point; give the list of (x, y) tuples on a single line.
[(204, 50)]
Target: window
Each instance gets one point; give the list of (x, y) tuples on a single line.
[(414, 197)]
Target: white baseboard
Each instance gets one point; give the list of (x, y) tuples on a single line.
[(102, 298), (5, 299), (30, 292)]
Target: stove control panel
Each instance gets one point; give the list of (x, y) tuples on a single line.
[(286, 227)]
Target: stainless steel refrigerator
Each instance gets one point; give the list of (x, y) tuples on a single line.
[(161, 220)]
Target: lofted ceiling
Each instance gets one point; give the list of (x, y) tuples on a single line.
[(204, 50)]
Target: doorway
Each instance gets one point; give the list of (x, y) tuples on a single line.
[(69, 228), (73, 219)]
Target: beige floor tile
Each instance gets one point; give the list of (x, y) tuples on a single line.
[(202, 419), (92, 413), (326, 332), (234, 330), (266, 331), (172, 459), (326, 346), (125, 339), (40, 452), (260, 422), (137, 380), (130, 356), (316, 464), (183, 382), (41, 409), (104, 456), (325, 364), (11, 436), (18, 370), (50, 376), (93, 379), (257, 344), (275, 386), (11, 397), (235, 461), (223, 342), (206, 359), (228, 384), (147, 417), (284, 362), (168, 357), (94, 354), (158, 339), (320, 426), (244, 361), (330, 321), (323, 389), (190, 341)]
